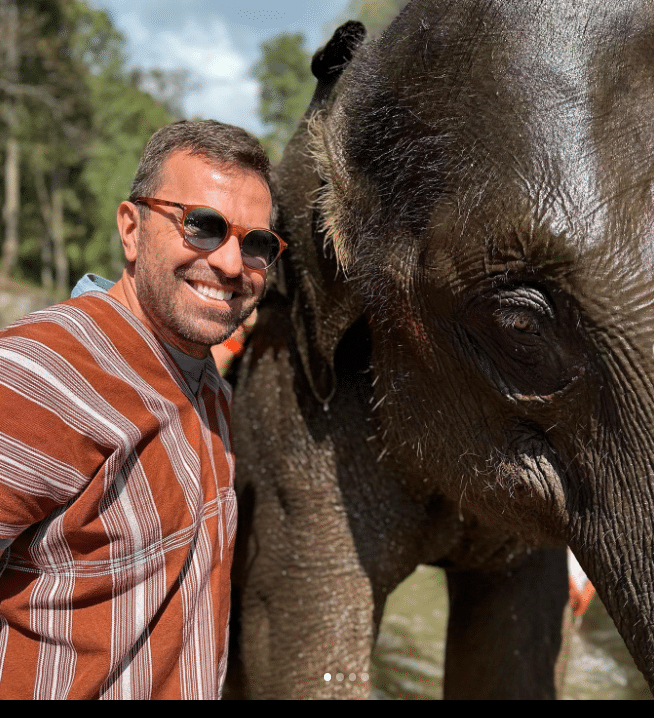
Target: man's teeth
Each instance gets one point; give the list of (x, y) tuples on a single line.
[(212, 292)]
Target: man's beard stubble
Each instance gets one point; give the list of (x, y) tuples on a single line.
[(158, 301)]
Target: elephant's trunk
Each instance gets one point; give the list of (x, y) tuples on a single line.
[(617, 549)]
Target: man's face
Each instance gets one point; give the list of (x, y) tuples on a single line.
[(192, 299)]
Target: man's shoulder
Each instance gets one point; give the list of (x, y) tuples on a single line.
[(93, 323), (88, 313), (90, 341)]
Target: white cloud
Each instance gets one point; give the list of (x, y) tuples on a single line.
[(216, 42), (205, 48), (236, 104), (219, 72)]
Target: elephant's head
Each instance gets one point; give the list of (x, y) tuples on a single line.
[(479, 187)]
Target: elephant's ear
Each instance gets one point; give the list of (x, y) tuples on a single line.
[(324, 308), (323, 304), (329, 62)]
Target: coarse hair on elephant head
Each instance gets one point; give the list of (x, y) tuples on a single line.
[(469, 321), (501, 249)]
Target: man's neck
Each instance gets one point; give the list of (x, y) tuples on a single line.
[(191, 367), (124, 291)]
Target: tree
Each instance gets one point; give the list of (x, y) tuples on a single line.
[(43, 90), (123, 119), (60, 122), (73, 123), (374, 14), (11, 62), (284, 72)]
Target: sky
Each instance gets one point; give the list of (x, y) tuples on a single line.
[(218, 43)]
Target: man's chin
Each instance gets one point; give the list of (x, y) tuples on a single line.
[(209, 338), (212, 331), (201, 326)]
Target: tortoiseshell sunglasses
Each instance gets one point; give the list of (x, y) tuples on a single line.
[(205, 229)]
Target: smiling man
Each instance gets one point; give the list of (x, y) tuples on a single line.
[(117, 510), (192, 301)]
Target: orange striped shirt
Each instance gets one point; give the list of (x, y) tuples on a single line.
[(117, 512)]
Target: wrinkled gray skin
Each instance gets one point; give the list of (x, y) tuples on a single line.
[(456, 367)]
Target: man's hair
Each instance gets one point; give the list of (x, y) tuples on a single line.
[(215, 141)]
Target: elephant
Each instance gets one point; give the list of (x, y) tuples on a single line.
[(454, 364)]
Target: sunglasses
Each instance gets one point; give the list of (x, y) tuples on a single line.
[(205, 229)]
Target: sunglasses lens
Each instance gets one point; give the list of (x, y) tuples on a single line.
[(205, 229), (259, 248)]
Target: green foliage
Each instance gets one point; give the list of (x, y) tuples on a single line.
[(287, 84), (83, 121), (374, 14), (284, 72)]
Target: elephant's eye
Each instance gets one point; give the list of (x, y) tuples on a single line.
[(525, 340), (520, 322), (523, 310)]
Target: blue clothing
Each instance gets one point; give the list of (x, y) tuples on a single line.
[(91, 283)]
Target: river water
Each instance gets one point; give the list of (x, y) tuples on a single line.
[(408, 659)]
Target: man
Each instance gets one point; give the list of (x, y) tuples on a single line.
[(117, 512)]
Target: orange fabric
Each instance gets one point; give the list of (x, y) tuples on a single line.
[(116, 493), (581, 598), (236, 348)]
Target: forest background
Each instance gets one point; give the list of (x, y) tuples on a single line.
[(74, 120)]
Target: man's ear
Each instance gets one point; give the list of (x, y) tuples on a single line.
[(128, 225)]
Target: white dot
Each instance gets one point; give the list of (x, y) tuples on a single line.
[(327, 676), (339, 676), (353, 677), (364, 676)]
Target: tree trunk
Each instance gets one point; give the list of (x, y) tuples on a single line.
[(58, 236), (47, 264), (53, 248), (12, 158), (47, 278), (11, 208), (117, 256)]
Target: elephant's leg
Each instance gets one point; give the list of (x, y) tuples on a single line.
[(506, 630), (306, 607), (300, 644)]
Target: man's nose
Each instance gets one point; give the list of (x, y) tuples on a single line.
[(227, 258)]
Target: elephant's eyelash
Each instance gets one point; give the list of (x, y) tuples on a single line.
[(523, 322), (524, 310), (525, 299)]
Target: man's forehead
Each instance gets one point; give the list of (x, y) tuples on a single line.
[(182, 166)]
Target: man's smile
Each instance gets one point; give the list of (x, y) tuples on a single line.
[(209, 291)]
